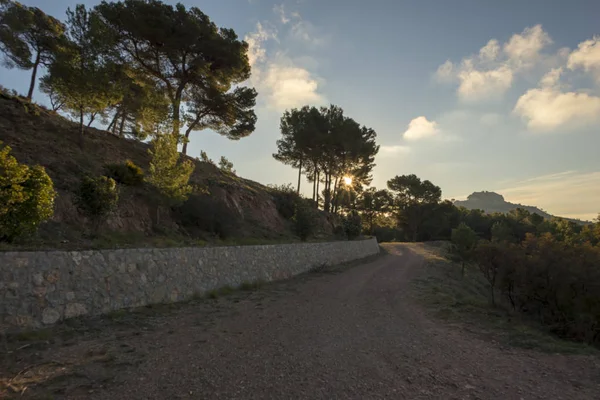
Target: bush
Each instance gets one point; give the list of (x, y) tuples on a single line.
[(555, 283), (304, 220), (352, 225), (96, 197), (386, 234), (26, 197), (169, 172), (126, 174), (286, 200), (464, 240), (203, 213)]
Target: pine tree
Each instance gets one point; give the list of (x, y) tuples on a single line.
[(28, 38), (167, 172)]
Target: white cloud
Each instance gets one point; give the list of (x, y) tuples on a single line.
[(548, 108), (290, 86), (490, 119), (491, 72), (281, 83), (256, 40), (280, 11), (421, 128), (478, 85), (555, 193), (393, 150), (524, 49), (552, 78), (307, 33), (446, 72), (586, 56), (490, 51)]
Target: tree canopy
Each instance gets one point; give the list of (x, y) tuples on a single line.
[(28, 38), (327, 146), (186, 54)]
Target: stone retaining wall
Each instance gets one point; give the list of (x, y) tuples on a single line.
[(42, 288)]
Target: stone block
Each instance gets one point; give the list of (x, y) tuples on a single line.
[(73, 310), (50, 316)]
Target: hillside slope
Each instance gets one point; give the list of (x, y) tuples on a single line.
[(38, 136), (492, 202)]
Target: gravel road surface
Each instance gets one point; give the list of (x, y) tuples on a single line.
[(351, 333)]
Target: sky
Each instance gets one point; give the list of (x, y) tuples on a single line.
[(472, 95)]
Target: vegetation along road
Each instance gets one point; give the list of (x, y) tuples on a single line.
[(348, 332)]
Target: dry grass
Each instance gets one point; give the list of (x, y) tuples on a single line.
[(465, 301)]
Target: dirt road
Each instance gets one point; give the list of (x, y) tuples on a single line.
[(350, 334)]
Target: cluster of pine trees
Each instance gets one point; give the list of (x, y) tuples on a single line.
[(142, 67), (329, 148)]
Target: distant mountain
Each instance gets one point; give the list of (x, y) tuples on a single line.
[(492, 202)]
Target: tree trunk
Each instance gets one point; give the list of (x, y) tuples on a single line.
[(36, 64), (187, 139), (81, 128), (327, 194), (92, 118), (177, 112), (113, 123), (122, 125), (334, 196), (314, 184), (299, 177), (318, 184), (463, 269)]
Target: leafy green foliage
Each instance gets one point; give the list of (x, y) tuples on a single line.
[(182, 51), (26, 197), (352, 225), (409, 189), (127, 174), (226, 165), (555, 282), (327, 146), (167, 173), (387, 234), (464, 239), (97, 197), (286, 200), (415, 201), (373, 203), (501, 232), (229, 114), (28, 37), (304, 220), (80, 78), (205, 213)]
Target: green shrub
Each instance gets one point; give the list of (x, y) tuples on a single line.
[(96, 197), (352, 225), (386, 234), (304, 220), (26, 197), (286, 200), (205, 213), (169, 172), (464, 239), (126, 174), (553, 282)]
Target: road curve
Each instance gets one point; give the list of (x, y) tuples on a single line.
[(354, 334)]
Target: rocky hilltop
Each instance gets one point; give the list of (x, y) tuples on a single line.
[(492, 202)]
